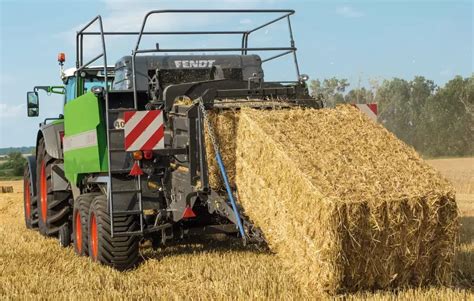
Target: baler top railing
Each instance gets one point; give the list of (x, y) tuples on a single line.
[(286, 12), (80, 54), (244, 49)]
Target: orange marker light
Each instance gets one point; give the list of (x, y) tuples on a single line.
[(137, 155), (61, 57)]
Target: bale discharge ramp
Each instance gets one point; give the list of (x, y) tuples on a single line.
[(342, 202)]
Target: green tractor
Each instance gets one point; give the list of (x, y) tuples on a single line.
[(126, 162)]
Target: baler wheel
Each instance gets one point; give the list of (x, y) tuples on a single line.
[(53, 206), (30, 208), (80, 217), (64, 235), (120, 252)]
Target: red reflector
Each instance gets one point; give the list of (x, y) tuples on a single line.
[(148, 154), (136, 170), (188, 213), (373, 107), (61, 136)]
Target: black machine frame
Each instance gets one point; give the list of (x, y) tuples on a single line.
[(208, 91)]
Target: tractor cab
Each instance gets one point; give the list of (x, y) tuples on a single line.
[(88, 78)]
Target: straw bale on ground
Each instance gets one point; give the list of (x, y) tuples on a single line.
[(343, 203)]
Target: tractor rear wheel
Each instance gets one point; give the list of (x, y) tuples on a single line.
[(120, 252), (80, 218), (29, 202), (53, 206)]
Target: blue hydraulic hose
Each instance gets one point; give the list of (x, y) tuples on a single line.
[(229, 192)]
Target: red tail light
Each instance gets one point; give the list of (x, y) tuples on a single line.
[(148, 154), (61, 136)]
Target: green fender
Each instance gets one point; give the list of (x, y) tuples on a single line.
[(85, 147)]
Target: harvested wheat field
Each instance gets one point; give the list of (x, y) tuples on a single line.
[(344, 204), (459, 170), (33, 267)]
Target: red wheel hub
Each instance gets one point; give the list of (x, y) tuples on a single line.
[(27, 199), (94, 237), (78, 236), (44, 193)]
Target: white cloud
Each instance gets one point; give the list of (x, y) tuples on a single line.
[(349, 12), (11, 111), (127, 15)]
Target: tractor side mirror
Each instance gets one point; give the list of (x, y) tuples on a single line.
[(32, 104)]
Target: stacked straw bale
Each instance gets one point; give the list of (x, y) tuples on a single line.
[(342, 202)]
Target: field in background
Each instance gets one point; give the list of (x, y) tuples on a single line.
[(460, 171), (34, 267)]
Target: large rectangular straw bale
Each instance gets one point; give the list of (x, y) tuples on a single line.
[(225, 125), (343, 203)]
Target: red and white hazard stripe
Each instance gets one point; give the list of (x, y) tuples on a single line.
[(370, 109), (144, 130)]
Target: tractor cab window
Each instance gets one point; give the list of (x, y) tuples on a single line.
[(88, 84), (94, 82), (70, 89)]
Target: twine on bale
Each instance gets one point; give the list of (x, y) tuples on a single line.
[(342, 202)]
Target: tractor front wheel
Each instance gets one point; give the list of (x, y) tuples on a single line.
[(121, 251)]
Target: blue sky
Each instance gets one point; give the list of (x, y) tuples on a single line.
[(354, 40)]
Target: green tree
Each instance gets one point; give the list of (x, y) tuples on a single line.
[(393, 104), (361, 95), (331, 90), (15, 163), (448, 120), (401, 104)]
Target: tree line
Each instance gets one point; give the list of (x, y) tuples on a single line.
[(22, 149), (12, 165), (435, 120)]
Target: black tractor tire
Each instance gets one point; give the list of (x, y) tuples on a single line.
[(80, 218), (53, 206), (64, 235), (29, 201), (119, 252)]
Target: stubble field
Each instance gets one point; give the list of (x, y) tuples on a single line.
[(34, 267)]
